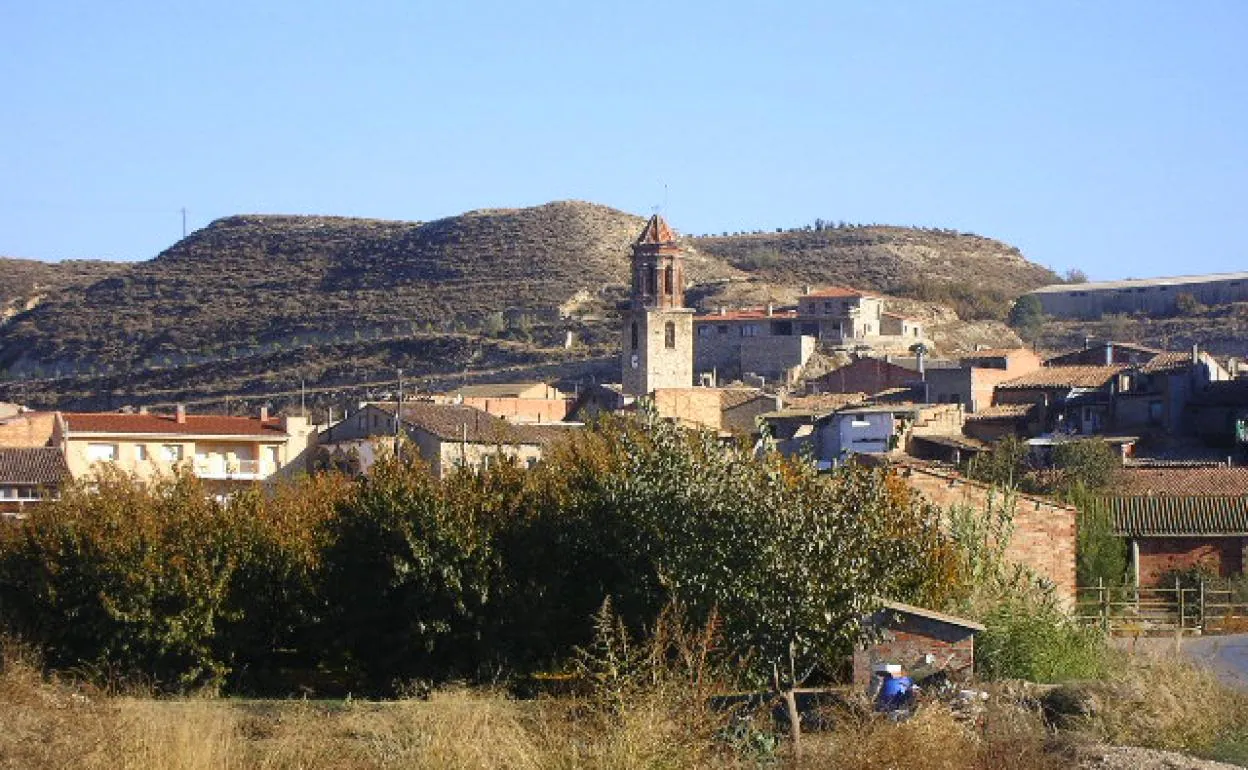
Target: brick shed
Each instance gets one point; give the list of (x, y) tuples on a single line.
[(917, 639), (1180, 532)]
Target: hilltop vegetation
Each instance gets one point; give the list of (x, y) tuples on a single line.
[(231, 304)]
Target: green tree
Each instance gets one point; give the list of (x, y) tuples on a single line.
[(1004, 465), (1027, 315), (1086, 464)]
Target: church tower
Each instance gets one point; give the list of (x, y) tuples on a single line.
[(657, 340)]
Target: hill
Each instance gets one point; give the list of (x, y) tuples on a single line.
[(248, 300), (27, 281)]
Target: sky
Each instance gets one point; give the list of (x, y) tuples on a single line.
[(1106, 136)]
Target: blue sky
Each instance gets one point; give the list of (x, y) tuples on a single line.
[(1109, 136)]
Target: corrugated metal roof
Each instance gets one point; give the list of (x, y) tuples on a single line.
[(1174, 516), (1178, 280)]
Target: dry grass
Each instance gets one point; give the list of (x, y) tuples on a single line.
[(50, 724)]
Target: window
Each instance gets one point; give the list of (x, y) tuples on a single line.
[(669, 280), (827, 306), (140, 452), (749, 330), (634, 335), (705, 331), (669, 335), (102, 453), (722, 328), (172, 453)]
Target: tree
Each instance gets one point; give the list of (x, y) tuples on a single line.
[(1087, 464), (791, 560), (1185, 303), (1075, 275), (1027, 314)]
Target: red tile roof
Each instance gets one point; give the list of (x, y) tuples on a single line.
[(1167, 362), (195, 425), (1064, 377), (1181, 481), (1001, 412), (656, 233), (457, 422), (33, 466)]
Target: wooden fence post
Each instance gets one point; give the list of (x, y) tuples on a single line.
[(1178, 588), (1104, 600), (1202, 604)]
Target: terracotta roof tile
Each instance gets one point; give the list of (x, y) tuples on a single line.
[(36, 466), (1179, 482), (1002, 412), (1167, 362), (196, 424), (656, 233), (456, 422), (731, 398), (1206, 515), (1064, 377)]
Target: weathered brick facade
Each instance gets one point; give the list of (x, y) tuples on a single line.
[(917, 639), (657, 337), (1044, 530)]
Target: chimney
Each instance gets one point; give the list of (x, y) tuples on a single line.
[(1109, 354), (1087, 343), (1195, 353), (771, 309), (723, 310), (806, 289), (143, 410), (264, 414), (179, 416)]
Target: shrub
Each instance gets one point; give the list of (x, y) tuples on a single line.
[(1036, 641)]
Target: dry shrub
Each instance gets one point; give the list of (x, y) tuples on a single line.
[(1006, 738), (1166, 703)]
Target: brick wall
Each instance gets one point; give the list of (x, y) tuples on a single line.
[(866, 375), (907, 640), (1159, 555), (1044, 530)]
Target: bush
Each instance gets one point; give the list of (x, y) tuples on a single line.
[(1038, 642)]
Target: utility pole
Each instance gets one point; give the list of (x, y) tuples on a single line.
[(184, 221), (398, 414)]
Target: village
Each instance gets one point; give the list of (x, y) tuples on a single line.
[(1176, 421)]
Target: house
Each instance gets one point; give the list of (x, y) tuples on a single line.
[(832, 436), (516, 402), (863, 375), (26, 428), (30, 475), (916, 639), (777, 342), (972, 382), (1154, 396), (1218, 415), (1105, 353), (1068, 399), (221, 450), (1182, 517), (1149, 295), (996, 422), (447, 436)]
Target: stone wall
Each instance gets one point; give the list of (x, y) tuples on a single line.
[(655, 365)]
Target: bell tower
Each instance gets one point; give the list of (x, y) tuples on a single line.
[(657, 339)]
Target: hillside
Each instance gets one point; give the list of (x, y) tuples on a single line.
[(1221, 330), (233, 306), (926, 264), (27, 281)]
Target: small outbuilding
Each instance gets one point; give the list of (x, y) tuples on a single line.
[(917, 639)]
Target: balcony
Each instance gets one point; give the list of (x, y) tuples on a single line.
[(222, 468)]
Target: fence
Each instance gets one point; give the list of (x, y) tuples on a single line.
[(1182, 609)]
